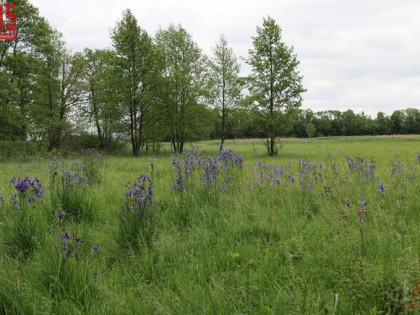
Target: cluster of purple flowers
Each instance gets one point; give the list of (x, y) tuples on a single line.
[(364, 166), (27, 189), (139, 196), (228, 159), (185, 167), (271, 173), (67, 180), (210, 168), (307, 174), (70, 245), (397, 168)]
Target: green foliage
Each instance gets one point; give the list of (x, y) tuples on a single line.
[(260, 246), (20, 150), (136, 220), (275, 83), (102, 83), (224, 83), (13, 297), (23, 227), (183, 85), (279, 238), (310, 129), (94, 164), (68, 190), (138, 66), (68, 279), (134, 232)]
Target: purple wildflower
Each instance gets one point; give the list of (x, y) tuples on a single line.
[(65, 236), (61, 214), (381, 188), (95, 248), (21, 186)]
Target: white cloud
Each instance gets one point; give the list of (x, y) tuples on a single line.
[(354, 54)]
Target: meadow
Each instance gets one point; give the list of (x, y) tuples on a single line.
[(330, 225)]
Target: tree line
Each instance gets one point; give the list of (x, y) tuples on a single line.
[(148, 89)]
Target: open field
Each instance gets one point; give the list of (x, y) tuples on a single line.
[(321, 228)]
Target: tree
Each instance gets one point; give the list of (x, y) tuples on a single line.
[(275, 83), (225, 88), (412, 121), (135, 59), (183, 92), (397, 122), (101, 86), (18, 68), (45, 110)]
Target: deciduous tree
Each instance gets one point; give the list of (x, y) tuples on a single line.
[(275, 83)]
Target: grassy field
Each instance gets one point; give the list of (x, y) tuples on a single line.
[(330, 225)]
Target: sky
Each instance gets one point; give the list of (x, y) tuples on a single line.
[(357, 54)]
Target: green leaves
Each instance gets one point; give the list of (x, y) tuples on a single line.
[(224, 83), (137, 74), (275, 84), (184, 84)]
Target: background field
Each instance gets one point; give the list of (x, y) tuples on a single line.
[(259, 247)]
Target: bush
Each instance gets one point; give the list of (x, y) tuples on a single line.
[(20, 150)]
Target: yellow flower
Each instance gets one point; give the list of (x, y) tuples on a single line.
[(234, 255)]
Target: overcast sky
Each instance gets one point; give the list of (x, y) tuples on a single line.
[(358, 54)]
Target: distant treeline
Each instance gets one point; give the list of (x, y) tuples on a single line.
[(348, 123), (145, 90), (306, 123)]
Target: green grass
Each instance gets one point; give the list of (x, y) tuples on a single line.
[(266, 249)]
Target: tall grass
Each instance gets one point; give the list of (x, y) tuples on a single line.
[(323, 228), (23, 223), (69, 190)]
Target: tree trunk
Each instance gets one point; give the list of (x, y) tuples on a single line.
[(272, 146), (133, 144), (271, 134), (54, 139), (223, 135)]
